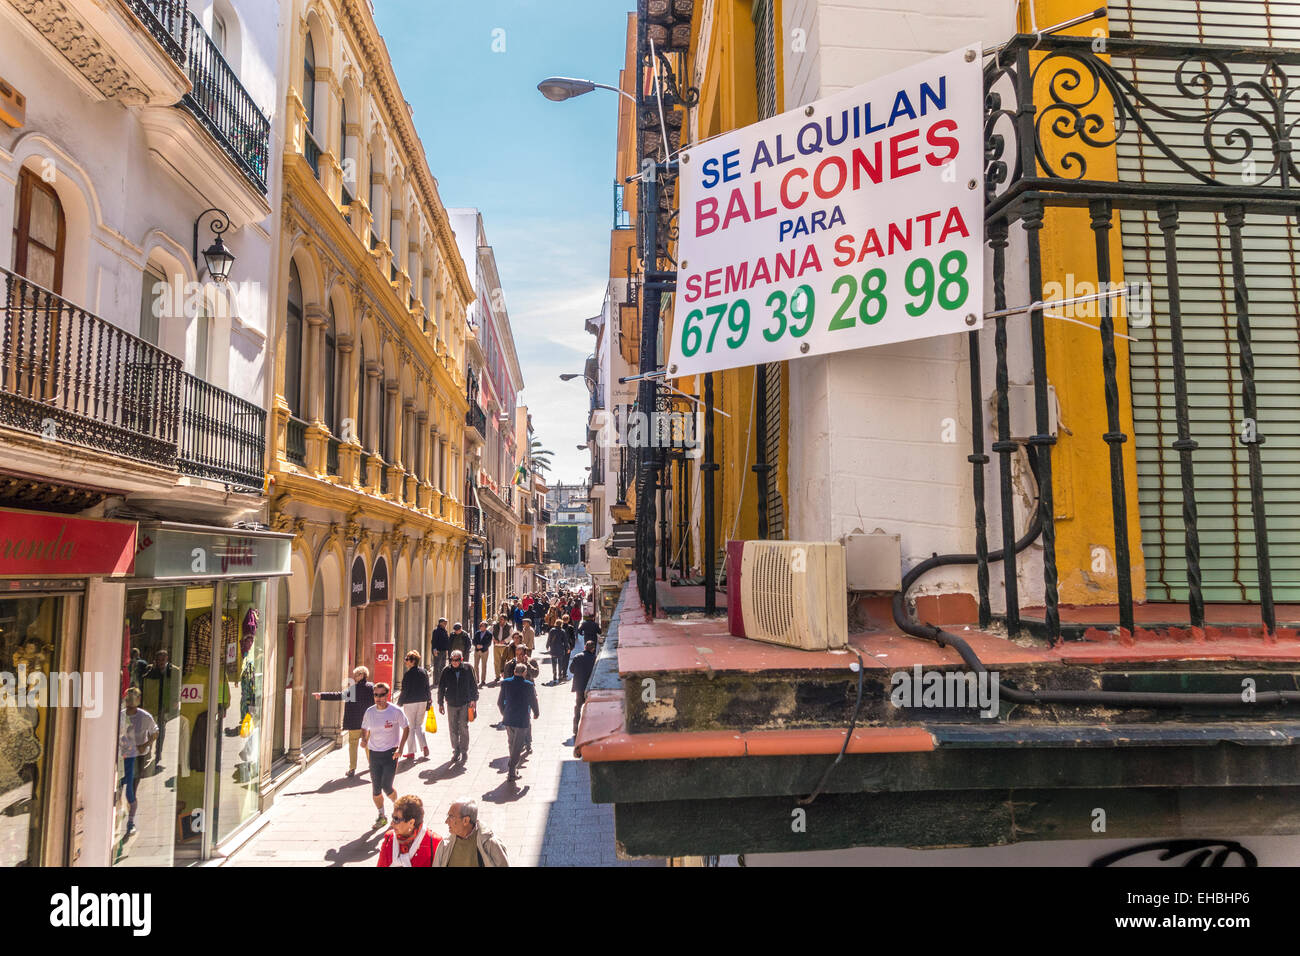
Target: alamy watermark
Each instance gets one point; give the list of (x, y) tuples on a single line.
[(946, 690), (55, 689)]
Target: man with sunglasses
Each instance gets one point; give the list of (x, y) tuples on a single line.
[(384, 730)]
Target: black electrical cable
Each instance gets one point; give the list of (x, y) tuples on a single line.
[(853, 724), (1105, 698)]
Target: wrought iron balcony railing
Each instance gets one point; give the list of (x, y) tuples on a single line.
[(332, 456), (1209, 130), (168, 21), (222, 436), (473, 521), (72, 377), (544, 516), (220, 102), (476, 418), (69, 376), (295, 442)]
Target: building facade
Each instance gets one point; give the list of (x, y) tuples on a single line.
[(1088, 482), (366, 441), (138, 152), (494, 367)]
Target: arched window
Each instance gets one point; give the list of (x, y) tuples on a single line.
[(330, 417), (309, 83), (293, 345), (40, 233)]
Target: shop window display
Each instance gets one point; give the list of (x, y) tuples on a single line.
[(166, 659), (240, 727), (29, 629)]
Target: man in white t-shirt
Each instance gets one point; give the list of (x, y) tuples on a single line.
[(137, 731), (384, 730)]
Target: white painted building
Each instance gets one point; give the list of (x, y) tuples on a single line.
[(134, 388)]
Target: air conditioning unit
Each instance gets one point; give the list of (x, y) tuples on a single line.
[(788, 592)]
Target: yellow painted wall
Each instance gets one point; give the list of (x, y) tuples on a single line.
[(729, 100), (1081, 468)]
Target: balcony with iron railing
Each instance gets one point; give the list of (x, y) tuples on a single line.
[(473, 521), (72, 377), (216, 98), (222, 104), (543, 516), (476, 418), (222, 436), (295, 441)]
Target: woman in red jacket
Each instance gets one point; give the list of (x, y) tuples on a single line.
[(408, 843)]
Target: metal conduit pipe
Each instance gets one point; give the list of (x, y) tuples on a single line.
[(944, 638)]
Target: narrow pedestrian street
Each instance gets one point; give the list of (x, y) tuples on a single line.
[(324, 818)]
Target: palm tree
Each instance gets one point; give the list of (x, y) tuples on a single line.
[(540, 457)]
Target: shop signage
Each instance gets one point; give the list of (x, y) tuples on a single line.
[(36, 543), (358, 585), (476, 552), (379, 580), (855, 221), (384, 665), (169, 552)]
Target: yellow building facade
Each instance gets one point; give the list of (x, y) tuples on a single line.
[(367, 443)]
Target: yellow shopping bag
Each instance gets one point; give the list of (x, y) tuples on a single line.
[(431, 722), (246, 725)]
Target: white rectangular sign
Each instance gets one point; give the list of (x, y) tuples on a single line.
[(855, 221)]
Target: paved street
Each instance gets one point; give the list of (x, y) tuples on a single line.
[(324, 818)]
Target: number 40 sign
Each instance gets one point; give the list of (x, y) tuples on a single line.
[(852, 222)]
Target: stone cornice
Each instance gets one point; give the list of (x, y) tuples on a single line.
[(83, 48)]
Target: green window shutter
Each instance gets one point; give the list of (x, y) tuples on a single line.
[(1272, 259)]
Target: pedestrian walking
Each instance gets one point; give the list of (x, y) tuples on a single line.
[(517, 615), (458, 690), (581, 667), (441, 645), (518, 705), (528, 635), (570, 639), (415, 700), (501, 632), (468, 843), (523, 657), (556, 642), (408, 843), (357, 697), (589, 630), (383, 732), (459, 640), (137, 731), (482, 651)]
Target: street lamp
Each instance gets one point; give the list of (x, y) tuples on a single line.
[(557, 89), (216, 257)]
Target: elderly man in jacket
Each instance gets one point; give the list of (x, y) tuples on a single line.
[(457, 689), (469, 844)]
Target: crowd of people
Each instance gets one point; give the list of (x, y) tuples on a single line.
[(385, 727)]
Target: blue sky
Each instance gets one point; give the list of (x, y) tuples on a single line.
[(541, 172)]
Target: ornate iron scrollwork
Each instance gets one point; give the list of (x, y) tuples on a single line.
[(1220, 117)]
